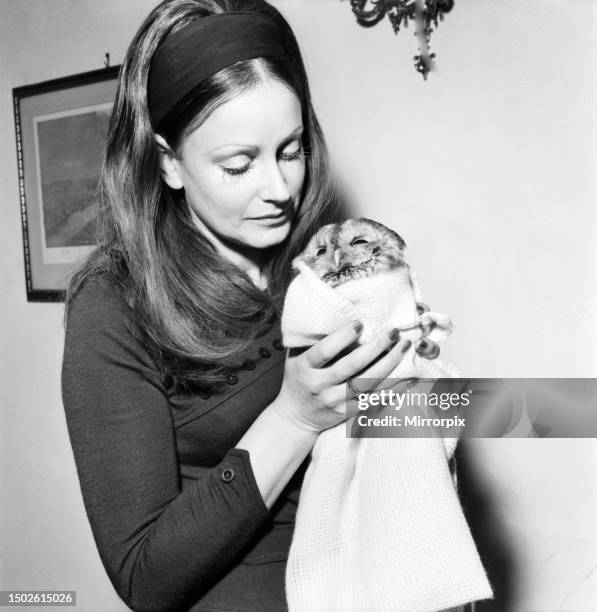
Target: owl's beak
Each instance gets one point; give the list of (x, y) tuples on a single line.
[(337, 258)]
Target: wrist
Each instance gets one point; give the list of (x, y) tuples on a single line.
[(279, 408), (277, 447)]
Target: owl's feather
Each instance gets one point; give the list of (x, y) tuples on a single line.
[(352, 249)]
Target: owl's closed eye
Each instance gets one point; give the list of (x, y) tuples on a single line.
[(352, 249)]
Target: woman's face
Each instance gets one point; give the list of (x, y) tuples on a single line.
[(243, 168)]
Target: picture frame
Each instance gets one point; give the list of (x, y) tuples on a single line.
[(61, 127)]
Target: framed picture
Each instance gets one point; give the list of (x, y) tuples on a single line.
[(61, 127)]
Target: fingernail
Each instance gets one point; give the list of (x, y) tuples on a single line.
[(422, 308), (406, 346), (394, 335), (358, 327)]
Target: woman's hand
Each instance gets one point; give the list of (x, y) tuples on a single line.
[(313, 393), (313, 398)]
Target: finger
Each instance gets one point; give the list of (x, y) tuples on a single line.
[(358, 359), (388, 363), (327, 348), (352, 407), (427, 348), (343, 400), (402, 385), (359, 388), (398, 385)]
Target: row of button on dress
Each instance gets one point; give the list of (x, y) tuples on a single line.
[(248, 364)]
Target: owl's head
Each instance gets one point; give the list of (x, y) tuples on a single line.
[(354, 248)]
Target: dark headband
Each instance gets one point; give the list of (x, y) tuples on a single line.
[(203, 47)]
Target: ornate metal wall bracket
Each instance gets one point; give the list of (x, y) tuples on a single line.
[(424, 13)]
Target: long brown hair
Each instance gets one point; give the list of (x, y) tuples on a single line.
[(194, 310)]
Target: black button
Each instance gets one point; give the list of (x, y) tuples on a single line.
[(227, 474), (232, 378), (264, 352), (249, 364), (205, 393), (277, 344)]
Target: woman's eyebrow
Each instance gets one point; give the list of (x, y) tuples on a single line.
[(296, 132), (236, 148), (252, 150)]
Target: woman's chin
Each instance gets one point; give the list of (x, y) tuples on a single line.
[(267, 236)]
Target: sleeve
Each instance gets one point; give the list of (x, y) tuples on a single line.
[(160, 546)]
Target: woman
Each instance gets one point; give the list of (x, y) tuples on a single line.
[(190, 424)]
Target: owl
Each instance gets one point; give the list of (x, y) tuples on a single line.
[(352, 249), (358, 248)]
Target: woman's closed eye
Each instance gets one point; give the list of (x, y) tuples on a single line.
[(239, 164), (292, 152)]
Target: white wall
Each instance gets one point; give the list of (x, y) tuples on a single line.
[(45, 540), (486, 169)]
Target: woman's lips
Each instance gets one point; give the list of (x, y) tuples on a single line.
[(282, 216)]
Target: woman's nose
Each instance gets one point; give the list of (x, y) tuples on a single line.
[(275, 187)]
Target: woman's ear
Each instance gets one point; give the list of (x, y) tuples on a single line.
[(168, 164)]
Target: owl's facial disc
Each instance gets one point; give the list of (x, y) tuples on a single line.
[(353, 249)]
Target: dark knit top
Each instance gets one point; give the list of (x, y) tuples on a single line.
[(174, 508)]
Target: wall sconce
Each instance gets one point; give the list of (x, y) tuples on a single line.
[(424, 13)]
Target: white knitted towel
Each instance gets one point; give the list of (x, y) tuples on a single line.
[(379, 526)]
